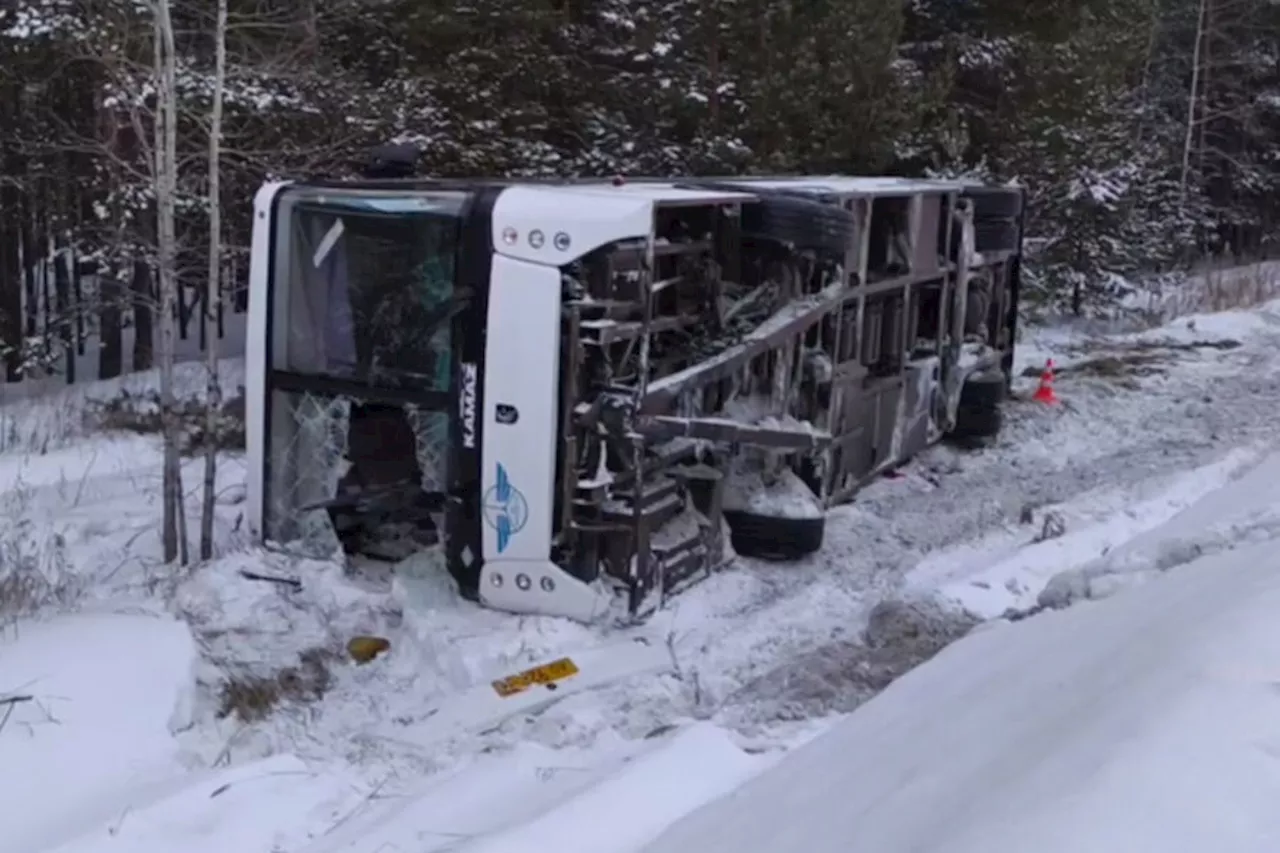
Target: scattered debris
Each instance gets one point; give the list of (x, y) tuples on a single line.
[(1150, 344), (365, 649), (1054, 526), (1222, 345), (295, 583), (1014, 614), (1111, 365), (8, 703), (1132, 359), (664, 729), (839, 676)]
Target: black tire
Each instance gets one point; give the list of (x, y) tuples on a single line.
[(800, 223), (977, 423), (984, 390), (996, 235), (793, 219), (978, 415), (768, 537), (995, 202)]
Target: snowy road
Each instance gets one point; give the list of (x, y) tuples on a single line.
[(1159, 454), (1147, 721)]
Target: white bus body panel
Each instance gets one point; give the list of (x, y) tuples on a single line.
[(522, 371), (557, 225), (255, 355), (518, 472)]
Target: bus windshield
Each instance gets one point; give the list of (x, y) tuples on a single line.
[(374, 295), (361, 369)]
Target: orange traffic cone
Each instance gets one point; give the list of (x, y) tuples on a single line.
[(1044, 393)]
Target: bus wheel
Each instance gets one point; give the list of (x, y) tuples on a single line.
[(767, 537), (979, 415), (974, 423)]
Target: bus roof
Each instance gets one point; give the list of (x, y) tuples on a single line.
[(851, 185), (669, 194)]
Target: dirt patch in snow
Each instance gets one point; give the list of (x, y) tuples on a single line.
[(1169, 346), (252, 698), (1125, 362), (1120, 367), (837, 677)]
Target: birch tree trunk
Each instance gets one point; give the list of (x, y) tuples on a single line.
[(1193, 101), (213, 294), (166, 129)]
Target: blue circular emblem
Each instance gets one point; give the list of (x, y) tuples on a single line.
[(505, 509)]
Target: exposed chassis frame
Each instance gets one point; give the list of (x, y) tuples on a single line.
[(875, 419)]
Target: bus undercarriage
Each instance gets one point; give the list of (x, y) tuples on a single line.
[(584, 395)]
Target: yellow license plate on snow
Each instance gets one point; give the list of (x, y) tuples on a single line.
[(548, 673)]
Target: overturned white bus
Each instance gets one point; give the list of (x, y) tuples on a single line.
[(586, 394)]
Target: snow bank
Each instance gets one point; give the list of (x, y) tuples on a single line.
[(1143, 722), (95, 737), (483, 794), (112, 469), (1245, 509), (1013, 567), (1115, 539), (611, 798), (269, 805), (40, 423), (620, 814), (84, 520), (1216, 326)]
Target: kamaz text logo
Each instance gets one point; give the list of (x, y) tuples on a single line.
[(468, 405), (505, 509)]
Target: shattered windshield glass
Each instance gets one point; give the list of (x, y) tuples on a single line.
[(377, 293), (362, 370)]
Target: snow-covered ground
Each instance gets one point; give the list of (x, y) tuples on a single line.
[(91, 702), (1159, 454), (1146, 721)]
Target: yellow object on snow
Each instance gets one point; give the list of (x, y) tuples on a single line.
[(365, 649)]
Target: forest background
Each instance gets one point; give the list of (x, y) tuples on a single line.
[(1146, 131)]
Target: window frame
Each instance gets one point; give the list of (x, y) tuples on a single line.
[(331, 387)]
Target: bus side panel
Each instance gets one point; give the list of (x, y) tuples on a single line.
[(257, 339), (520, 401)]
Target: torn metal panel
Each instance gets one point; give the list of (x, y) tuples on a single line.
[(787, 322)]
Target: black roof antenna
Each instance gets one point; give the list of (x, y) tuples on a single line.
[(392, 160)]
